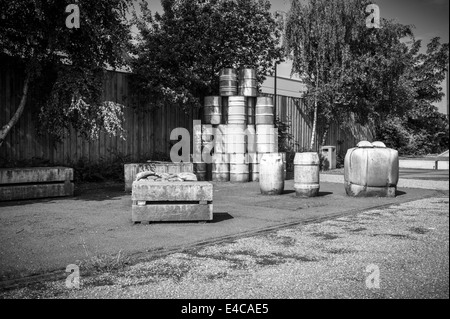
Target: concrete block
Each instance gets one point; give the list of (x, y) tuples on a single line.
[(145, 190), (172, 212), (420, 164), (35, 175), (20, 192), (35, 182)]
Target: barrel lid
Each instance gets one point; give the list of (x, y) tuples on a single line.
[(365, 144), (379, 144)]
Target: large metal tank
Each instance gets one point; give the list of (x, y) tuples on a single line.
[(371, 169)]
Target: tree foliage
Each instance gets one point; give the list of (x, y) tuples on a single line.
[(66, 65), (363, 75), (181, 51)]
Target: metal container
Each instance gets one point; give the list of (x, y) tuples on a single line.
[(224, 109), (235, 139), (266, 139), (228, 82), (220, 168), (247, 82), (202, 171), (250, 105), (250, 134), (212, 110), (371, 170), (253, 167), (236, 110), (219, 139), (306, 174), (264, 111), (271, 174)]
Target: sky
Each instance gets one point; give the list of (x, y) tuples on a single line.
[(429, 17)]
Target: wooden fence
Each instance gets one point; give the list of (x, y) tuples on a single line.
[(146, 132)]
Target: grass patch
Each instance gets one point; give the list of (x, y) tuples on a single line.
[(105, 263)]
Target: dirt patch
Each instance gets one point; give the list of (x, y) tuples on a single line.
[(419, 230), (339, 251), (357, 230), (325, 236), (396, 236)]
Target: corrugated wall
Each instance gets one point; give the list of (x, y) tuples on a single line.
[(293, 111)]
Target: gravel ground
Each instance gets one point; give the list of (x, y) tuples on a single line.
[(409, 244)]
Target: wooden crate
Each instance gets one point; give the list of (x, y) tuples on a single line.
[(171, 201), (131, 170), (35, 182)]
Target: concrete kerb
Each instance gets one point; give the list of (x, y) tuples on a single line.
[(160, 252), (402, 183)]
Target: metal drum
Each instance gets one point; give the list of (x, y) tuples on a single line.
[(271, 174), (253, 167), (235, 139), (202, 171), (236, 110), (266, 139), (224, 109), (212, 110), (220, 139), (207, 142), (250, 134), (247, 82), (239, 168), (250, 104), (264, 111), (220, 168), (306, 174), (228, 82)]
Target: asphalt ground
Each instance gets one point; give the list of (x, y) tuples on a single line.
[(400, 251), (43, 237)]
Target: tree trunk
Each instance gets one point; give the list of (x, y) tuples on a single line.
[(313, 135), (325, 134), (7, 127)]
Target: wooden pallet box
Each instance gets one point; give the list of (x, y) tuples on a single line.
[(35, 182), (131, 170), (171, 201)]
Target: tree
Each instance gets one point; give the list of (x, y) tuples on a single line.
[(67, 64), (318, 36), (362, 75), (421, 129), (180, 53)]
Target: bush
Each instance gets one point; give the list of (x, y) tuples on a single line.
[(415, 137)]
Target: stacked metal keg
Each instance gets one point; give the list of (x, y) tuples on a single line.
[(228, 127)]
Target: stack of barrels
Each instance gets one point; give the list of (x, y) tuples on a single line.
[(229, 134)]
